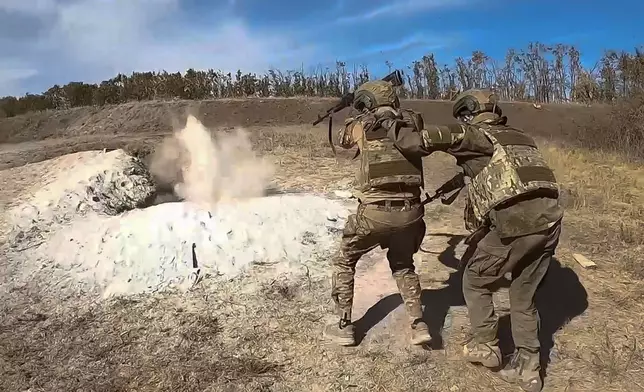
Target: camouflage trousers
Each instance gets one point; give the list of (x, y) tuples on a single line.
[(397, 229), (487, 260)]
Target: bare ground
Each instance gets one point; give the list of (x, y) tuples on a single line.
[(229, 338)]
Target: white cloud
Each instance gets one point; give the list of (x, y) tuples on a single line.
[(13, 75), (401, 7), (92, 40), (424, 41), (420, 43), (31, 7)]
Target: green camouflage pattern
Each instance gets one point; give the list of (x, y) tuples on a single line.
[(504, 177), (441, 135)]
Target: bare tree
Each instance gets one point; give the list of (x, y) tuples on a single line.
[(539, 73)]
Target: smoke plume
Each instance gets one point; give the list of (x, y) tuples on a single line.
[(205, 170)]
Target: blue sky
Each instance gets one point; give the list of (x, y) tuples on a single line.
[(45, 42)]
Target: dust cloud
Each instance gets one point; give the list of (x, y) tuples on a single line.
[(206, 170)]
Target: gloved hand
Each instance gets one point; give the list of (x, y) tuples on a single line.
[(353, 130), (386, 112), (345, 134)]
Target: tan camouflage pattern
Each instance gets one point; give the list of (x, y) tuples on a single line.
[(382, 165), (401, 233), (349, 134), (384, 175), (442, 135), (409, 288), (383, 92), (386, 111), (500, 180), (483, 96), (379, 156)]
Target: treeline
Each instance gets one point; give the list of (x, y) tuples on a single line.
[(539, 73)]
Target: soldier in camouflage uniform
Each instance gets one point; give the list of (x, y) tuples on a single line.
[(514, 215), (389, 214)]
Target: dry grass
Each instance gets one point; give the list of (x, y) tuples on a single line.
[(212, 339), (619, 130), (605, 205), (142, 344), (232, 336), (304, 159), (605, 221)]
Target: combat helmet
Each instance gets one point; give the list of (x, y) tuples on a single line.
[(373, 94), (476, 101)]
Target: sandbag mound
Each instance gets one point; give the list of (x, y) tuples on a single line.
[(158, 248), (73, 185)]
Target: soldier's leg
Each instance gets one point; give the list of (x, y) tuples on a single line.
[(483, 267), (357, 240), (402, 245), (534, 253)]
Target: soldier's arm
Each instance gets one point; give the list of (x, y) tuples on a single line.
[(420, 143)]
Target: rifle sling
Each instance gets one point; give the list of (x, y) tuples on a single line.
[(449, 200), (331, 135)]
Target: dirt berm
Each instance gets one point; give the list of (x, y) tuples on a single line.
[(154, 117)]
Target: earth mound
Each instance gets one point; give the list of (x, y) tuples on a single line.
[(90, 226), (171, 245), (74, 185)]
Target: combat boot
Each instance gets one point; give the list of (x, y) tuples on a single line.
[(341, 333), (420, 333), (409, 288), (524, 369), (487, 354)]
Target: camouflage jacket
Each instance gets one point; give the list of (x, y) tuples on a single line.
[(384, 173), (473, 150)]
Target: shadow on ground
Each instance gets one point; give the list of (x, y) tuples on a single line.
[(560, 298), (437, 302)]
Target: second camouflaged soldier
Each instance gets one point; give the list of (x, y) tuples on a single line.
[(514, 215), (389, 215)]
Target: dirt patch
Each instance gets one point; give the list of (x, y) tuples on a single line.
[(223, 338), (153, 117)]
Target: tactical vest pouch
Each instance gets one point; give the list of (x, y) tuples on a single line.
[(383, 165), (516, 168)]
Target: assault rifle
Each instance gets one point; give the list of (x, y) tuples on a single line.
[(456, 183), (395, 78)]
